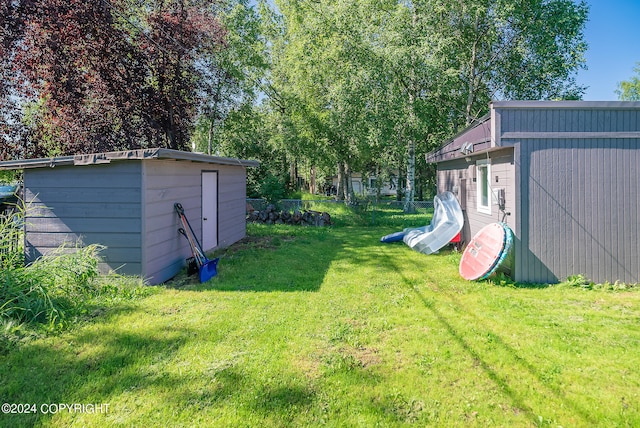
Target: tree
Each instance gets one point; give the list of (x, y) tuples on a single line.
[(509, 49), (629, 90), (97, 76), (235, 72)]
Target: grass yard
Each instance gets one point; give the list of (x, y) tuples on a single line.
[(327, 326)]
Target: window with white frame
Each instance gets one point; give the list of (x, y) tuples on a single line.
[(483, 194)]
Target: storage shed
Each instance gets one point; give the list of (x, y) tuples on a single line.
[(564, 175), (125, 201)]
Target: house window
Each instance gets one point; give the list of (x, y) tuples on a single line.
[(483, 172)]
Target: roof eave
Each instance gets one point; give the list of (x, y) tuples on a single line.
[(140, 154)]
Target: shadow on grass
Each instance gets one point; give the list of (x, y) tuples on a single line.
[(510, 388), (284, 258), (92, 367), (101, 367)]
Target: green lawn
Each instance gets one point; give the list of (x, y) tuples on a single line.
[(327, 326)]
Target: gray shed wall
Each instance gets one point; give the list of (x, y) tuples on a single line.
[(578, 194), (232, 204), (128, 206), (97, 204), (167, 182), (457, 176)]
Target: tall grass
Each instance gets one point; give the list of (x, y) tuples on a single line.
[(11, 250), (55, 290)]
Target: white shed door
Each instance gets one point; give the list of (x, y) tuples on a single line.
[(209, 210)]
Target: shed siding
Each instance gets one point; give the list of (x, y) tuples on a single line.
[(232, 205), (87, 205), (579, 205), (458, 177), (165, 183)]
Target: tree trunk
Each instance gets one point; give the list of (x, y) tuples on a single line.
[(210, 137), (411, 177), (312, 180), (348, 185), (340, 187), (293, 174), (411, 160)]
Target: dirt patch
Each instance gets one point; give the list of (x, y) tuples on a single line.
[(366, 356), (258, 242)]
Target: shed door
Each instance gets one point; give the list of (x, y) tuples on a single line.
[(209, 209)]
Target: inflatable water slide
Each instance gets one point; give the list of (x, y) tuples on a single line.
[(446, 223)]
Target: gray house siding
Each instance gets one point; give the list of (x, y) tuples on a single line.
[(86, 205), (166, 182), (232, 204), (579, 194), (571, 186), (579, 210), (458, 177), (577, 174)]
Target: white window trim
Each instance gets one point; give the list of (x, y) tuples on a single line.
[(485, 209)]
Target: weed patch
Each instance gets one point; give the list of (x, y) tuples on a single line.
[(56, 291)]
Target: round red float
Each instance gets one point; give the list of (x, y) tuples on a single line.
[(483, 252)]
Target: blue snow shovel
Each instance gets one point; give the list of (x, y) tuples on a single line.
[(207, 269)]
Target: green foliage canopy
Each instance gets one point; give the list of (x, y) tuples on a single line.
[(629, 90)]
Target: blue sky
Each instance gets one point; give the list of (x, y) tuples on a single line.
[(613, 36)]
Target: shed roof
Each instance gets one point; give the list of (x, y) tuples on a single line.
[(486, 134), (108, 157), (477, 135)]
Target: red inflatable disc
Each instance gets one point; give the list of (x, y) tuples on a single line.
[(483, 252)]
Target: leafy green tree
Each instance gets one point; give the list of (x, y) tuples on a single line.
[(509, 49), (629, 90), (235, 72), (371, 83)]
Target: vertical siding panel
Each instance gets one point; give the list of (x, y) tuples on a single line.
[(634, 238), (581, 241), (610, 219), (596, 210), (167, 182), (583, 123), (635, 208), (578, 190), (565, 186), (623, 191), (534, 226), (231, 205), (615, 188), (603, 219), (522, 213)]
